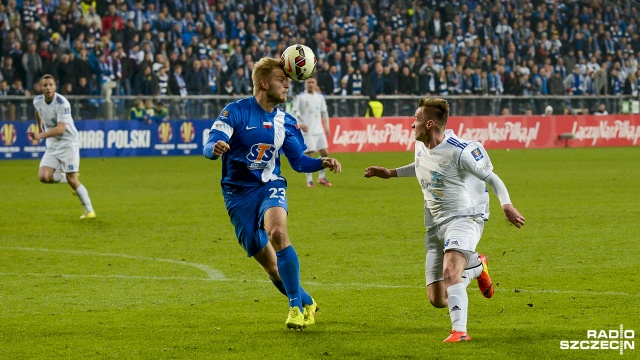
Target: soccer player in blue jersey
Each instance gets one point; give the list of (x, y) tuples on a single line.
[(249, 135)]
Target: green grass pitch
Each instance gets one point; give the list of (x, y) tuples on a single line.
[(159, 274)]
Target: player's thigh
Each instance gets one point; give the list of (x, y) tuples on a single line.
[(244, 213), (308, 142), (48, 164), (273, 213), (70, 160), (312, 142), (462, 234), (434, 259), (322, 143), (247, 214)]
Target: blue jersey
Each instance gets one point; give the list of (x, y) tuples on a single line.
[(256, 139)]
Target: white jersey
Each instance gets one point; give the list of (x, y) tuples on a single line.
[(307, 109), (451, 176), (58, 111)]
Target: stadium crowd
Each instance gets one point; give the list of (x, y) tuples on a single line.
[(421, 47)]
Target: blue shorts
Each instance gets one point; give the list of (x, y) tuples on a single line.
[(247, 213)]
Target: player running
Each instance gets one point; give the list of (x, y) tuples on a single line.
[(452, 173), (53, 111)]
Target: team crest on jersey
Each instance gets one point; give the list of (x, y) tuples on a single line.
[(260, 155), (224, 114), (66, 111), (443, 163), (477, 154)]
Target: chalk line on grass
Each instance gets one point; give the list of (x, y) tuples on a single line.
[(215, 275), (212, 274)]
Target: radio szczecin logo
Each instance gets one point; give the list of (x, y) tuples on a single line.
[(619, 340)]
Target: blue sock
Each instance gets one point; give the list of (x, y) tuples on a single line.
[(289, 269), (306, 298)]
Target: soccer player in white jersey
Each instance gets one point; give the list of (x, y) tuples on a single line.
[(452, 173), (310, 109), (53, 111)]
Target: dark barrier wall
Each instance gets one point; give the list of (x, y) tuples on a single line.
[(112, 138)]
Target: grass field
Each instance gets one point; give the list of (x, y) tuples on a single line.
[(159, 274)]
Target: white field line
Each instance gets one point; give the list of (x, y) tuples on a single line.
[(215, 275), (212, 274)]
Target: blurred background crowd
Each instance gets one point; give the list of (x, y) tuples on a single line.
[(425, 47)]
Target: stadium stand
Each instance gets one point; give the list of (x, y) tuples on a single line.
[(515, 51)]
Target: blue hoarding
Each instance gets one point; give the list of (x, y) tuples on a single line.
[(99, 138)]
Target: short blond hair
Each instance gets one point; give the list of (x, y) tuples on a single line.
[(436, 110), (262, 71)]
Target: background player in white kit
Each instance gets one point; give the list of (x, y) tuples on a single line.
[(452, 173), (53, 111), (310, 109)]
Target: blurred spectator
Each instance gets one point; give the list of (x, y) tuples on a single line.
[(31, 64), (146, 83), (602, 110), (66, 71), (7, 70), (240, 82), (138, 112), (160, 113), (374, 108), (7, 108)]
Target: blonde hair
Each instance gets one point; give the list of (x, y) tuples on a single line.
[(262, 71), (436, 110)]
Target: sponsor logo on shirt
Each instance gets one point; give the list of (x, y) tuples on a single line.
[(260, 155), (477, 154)]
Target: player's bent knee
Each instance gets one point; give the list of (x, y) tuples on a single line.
[(45, 179), (451, 276), (438, 303), (278, 238)]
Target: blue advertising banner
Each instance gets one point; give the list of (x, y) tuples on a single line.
[(99, 138)]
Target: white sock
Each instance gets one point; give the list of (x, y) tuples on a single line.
[(321, 174), (458, 304), (83, 195), (309, 177), (470, 274), (59, 177)]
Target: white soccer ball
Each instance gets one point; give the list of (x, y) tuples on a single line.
[(298, 62)]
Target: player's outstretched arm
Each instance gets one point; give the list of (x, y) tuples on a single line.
[(379, 171), (331, 164)]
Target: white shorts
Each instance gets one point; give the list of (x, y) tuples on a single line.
[(66, 160), (461, 235), (315, 142)]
